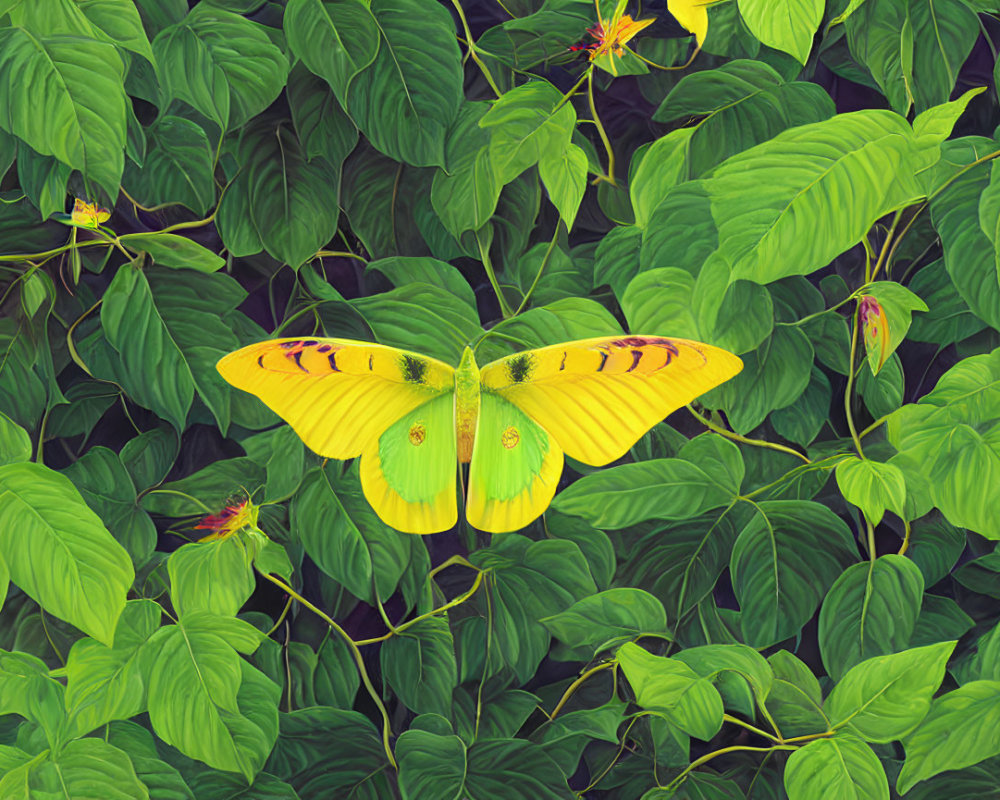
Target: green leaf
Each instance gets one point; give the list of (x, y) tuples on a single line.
[(681, 231), (531, 580), (961, 729), (774, 376), (419, 665), (671, 688), (795, 700), (600, 620), (292, 199), (27, 689), (802, 421), (15, 444), (177, 252), (721, 661), (796, 177), (564, 175), (680, 562), (654, 170), (77, 770), (969, 255), (898, 303), (74, 108), (421, 317), (790, 28), (871, 610), (948, 318), (872, 486), (162, 779), (950, 435), (666, 488), (941, 620), (177, 169), (841, 768), (221, 64), (204, 699), (210, 487), (335, 38), (784, 560), (344, 536), (745, 103), (436, 766), (407, 98), (150, 455), (525, 128), (322, 125), (882, 393), (58, 551), (211, 576), (104, 683), (883, 698)]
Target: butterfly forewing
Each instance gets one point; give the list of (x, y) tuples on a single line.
[(409, 473), (596, 397), (338, 395), (514, 471)]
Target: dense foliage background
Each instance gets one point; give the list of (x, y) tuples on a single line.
[(789, 590)]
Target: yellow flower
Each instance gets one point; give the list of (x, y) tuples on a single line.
[(232, 519), (88, 215)]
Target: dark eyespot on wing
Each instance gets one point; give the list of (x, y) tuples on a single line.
[(297, 355), (414, 369), (260, 361), (332, 358), (519, 367), (604, 360), (636, 358)]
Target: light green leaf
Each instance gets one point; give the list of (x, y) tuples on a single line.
[(872, 486), (15, 444), (962, 728), (211, 576), (73, 108), (524, 128), (564, 175), (79, 769), (789, 27), (797, 177), (58, 551), (27, 689), (210, 487), (841, 768), (419, 665), (204, 699), (671, 688), (661, 165), (178, 252), (104, 683), (883, 698), (871, 610)]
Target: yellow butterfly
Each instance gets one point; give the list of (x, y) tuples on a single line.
[(410, 417)]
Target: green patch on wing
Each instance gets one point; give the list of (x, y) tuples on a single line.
[(418, 452)]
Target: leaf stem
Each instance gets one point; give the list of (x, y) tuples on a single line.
[(472, 49), (850, 385), (571, 689), (541, 269), (358, 660), (738, 438), (484, 256), (610, 177)]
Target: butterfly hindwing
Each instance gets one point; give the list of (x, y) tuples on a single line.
[(596, 397), (408, 474), (515, 468), (338, 395)]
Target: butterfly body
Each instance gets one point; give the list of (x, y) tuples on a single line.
[(412, 418)]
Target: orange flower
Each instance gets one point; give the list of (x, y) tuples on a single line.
[(88, 215), (232, 519), (610, 37)]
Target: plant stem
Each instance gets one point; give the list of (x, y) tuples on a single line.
[(610, 177), (576, 685), (850, 385), (472, 49), (484, 256), (541, 269), (738, 438), (355, 652)]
